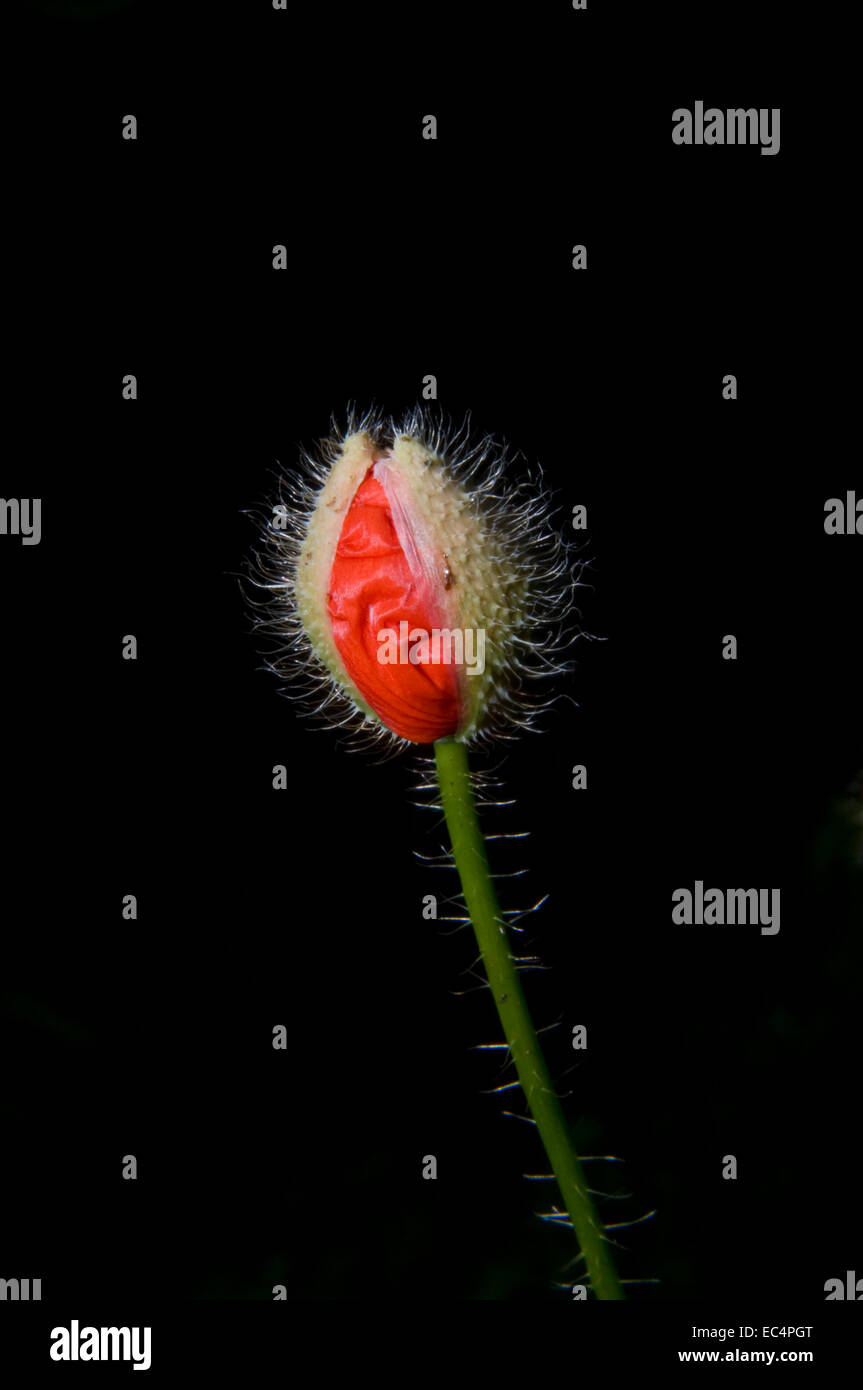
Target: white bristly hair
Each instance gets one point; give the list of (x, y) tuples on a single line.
[(513, 502)]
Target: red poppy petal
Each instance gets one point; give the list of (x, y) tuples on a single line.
[(371, 589)]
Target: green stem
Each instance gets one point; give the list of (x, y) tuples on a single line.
[(468, 847)]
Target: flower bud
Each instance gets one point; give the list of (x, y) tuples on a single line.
[(416, 578)]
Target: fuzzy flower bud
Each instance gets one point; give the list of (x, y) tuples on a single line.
[(419, 584)]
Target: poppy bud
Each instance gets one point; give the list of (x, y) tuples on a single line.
[(414, 575)]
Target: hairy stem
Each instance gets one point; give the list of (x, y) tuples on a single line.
[(469, 852)]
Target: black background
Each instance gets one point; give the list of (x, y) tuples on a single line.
[(257, 907)]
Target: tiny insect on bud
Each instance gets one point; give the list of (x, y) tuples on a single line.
[(414, 575)]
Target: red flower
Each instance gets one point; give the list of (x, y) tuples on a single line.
[(372, 589), (421, 585)]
